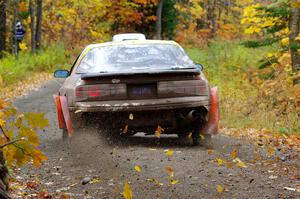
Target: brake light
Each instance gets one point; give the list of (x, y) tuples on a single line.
[(100, 92), (79, 92), (93, 91), (87, 91)]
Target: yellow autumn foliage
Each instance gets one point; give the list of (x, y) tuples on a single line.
[(19, 140), (255, 20)]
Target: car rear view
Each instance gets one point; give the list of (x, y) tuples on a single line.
[(139, 86)]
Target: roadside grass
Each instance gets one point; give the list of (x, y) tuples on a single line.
[(13, 70), (228, 66)]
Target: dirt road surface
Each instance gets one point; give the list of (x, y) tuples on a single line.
[(107, 163)]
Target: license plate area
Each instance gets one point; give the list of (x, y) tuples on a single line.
[(142, 91)]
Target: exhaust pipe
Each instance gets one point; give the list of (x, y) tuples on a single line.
[(192, 116)]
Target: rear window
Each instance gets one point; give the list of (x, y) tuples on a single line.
[(126, 58)]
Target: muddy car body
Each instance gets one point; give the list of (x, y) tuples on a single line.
[(138, 86)]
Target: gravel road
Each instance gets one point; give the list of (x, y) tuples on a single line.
[(106, 162)]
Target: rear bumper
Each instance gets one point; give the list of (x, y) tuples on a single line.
[(142, 105)]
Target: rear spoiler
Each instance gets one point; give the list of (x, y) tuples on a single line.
[(142, 73)]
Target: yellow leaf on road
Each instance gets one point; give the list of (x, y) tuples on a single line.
[(95, 180), (169, 152), (170, 171), (173, 182), (229, 165), (137, 168), (234, 154), (240, 163), (220, 189), (156, 182), (210, 151), (220, 161), (127, 192)]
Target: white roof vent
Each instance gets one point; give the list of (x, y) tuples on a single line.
[(129, 36)]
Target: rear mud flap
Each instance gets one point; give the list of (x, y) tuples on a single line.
[(212, 126), (63, 114)]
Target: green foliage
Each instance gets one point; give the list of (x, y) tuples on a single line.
[(13, 69), (260, 43), (169, 18)]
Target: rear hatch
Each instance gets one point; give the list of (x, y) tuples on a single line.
[(139, 86)]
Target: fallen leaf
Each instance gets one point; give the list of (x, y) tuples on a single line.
[(220, 161), (156, 182), (169, 152), (220, 189), (138, 168), (65, 196), (159, 130), (210, 151), (32, 185), (125, 130), (190, 136), (127, 193), (239, 163), (229, 165), (202, 137), (234, 154), (173, 182), (170, 171), (131, 116), (271, 151), (95, 180)]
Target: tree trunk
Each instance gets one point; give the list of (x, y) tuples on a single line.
[(32, 25), (159, 19), (3, 178), (39, 15), (14, 42), (2, 26), (211, 17), (294, 44)]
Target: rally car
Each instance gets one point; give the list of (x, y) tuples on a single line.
[(137, 85)]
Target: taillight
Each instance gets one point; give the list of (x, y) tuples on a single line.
[(100, 92), (93, 91), (79, 92), (88, 91)]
